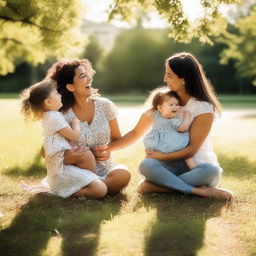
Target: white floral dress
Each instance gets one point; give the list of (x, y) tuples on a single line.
[(98, 132), (63, 180)]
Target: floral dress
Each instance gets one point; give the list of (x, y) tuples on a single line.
[(97, 133)]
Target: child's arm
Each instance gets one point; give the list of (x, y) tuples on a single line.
[(184, 126), (71, 132)]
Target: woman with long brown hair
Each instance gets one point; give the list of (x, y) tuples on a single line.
[(165, 172)]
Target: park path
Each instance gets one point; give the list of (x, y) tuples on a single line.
[(128, 116)]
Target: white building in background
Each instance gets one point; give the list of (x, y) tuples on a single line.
[(104, 32)]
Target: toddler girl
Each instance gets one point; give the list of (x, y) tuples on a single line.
[(42, 101), (168, 133)]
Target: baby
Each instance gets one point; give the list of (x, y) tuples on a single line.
[(168, 133)]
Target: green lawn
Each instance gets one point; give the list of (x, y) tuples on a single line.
[(166, 225)]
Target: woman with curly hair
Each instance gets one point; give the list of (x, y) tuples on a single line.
[(98, 127)]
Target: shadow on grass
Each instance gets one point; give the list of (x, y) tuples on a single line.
[(36, 169), (71, 224), (180, 224), (237, 166)]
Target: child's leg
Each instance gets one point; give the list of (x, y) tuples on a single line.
[(190, 163), (88, 161), (81, 159)]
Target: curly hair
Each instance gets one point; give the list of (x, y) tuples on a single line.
[(63, 73), (33, 97)]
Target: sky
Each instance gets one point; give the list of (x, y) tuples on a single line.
[(97, 12)]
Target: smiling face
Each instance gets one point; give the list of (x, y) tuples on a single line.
[(174, 82), (169, 108), (81, 83)]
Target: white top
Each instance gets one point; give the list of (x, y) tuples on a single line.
[(52, 122), (205, 154)]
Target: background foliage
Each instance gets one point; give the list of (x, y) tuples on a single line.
[(36, 33), (33, 30)]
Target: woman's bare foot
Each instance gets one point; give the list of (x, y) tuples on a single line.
[(213, 192), (146, 187)]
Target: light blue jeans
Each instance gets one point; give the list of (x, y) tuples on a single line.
[(176, 175)]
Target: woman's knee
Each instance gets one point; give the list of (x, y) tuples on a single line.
[(120, 177), (98, 189), (148, 166), (125, 176), (211, 171)]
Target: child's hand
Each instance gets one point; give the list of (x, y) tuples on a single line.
[(74, 121), (186, 114)]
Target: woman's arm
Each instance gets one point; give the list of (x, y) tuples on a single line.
[(144, 123), (199, 130), (115, 133), (117, 142)]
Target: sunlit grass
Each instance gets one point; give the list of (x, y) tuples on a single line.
[(127, 224)]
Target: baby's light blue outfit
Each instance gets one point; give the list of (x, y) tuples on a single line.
[(164, 136)]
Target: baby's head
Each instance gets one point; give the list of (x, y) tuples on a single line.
[(167, 103), (39, 98)]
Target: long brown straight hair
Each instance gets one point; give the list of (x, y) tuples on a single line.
[(186, 66)]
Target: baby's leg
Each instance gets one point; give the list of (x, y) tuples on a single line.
[(190, 163), (81, 159)]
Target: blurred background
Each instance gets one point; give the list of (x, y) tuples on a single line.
[(128, 56)]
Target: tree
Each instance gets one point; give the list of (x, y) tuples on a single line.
[(32, 30), (242, 47), (93, 51), (211, 23), (135, 63)]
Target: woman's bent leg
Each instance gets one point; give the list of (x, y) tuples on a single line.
[(205, 174), (117, 180), (96, 189), (156, 173)]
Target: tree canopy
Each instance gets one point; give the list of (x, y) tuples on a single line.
[(242, 47), (211, 23), (32, 30)]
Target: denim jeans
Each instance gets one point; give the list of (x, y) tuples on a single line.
[(176, 175)]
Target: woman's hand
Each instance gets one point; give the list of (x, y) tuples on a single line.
[(101, 153), (156, 155)]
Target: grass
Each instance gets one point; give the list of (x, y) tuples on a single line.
[(173, 225)]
